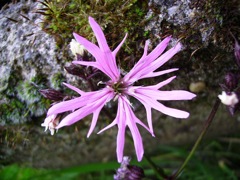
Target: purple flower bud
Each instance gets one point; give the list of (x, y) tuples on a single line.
[(75, 70), (129, 172), (134, 173), (231, 81), (52, 94), (237, 52)]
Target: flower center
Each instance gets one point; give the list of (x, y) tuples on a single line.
[(118, 87)]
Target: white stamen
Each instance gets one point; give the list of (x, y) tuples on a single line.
[(116, 97), (100, 82), (51, 123)]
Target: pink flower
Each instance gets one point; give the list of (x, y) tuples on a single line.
[(121, 88)]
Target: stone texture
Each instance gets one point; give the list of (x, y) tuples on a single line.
[(29, 61)]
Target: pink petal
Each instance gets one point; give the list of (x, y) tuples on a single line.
[(94, 120), (165, 95), (149, 117), (145, 100), (159, 73), (137, 139), (88, 63), (163, 83), (162, 59), (134, 118), (174, 95), (121, 121), (157, 51), (145, 49), (139, 69), (74, 117), (119, 46), (90, 47), (74, 88), (110, 66), (105, 59), (120, 140), (99, 35), (66, 106), (108, 61), (170, 111), (143, 58), (79, 102), (108, 127), (91, 107)]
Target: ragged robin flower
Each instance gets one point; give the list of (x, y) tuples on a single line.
[(120, 88)]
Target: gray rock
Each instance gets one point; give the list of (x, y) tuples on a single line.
[(28, 56), (179, 13)]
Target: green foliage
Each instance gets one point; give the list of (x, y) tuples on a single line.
[(214, 161), (89, 171)]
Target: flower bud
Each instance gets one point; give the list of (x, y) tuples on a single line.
[(231, 81), (52, 94), (75, 70), (76, 48), (128, 172), (134, 173)]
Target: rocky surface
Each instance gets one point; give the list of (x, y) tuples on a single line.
[(29, 61)]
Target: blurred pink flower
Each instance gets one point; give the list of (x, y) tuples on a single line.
[(120, 88)]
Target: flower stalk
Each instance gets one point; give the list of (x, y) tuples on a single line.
[(203, 132)]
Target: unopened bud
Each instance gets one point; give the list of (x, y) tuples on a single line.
[(231, 81), (128, 172), (76, 48), (75, 70), (134, 173), (52, 94)]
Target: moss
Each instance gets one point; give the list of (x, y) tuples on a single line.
[(12, 111), (62, 18), (56, 80), (28, 92), (21, 100)]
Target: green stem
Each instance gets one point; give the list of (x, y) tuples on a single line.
[(158, 171), (206, 126)]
